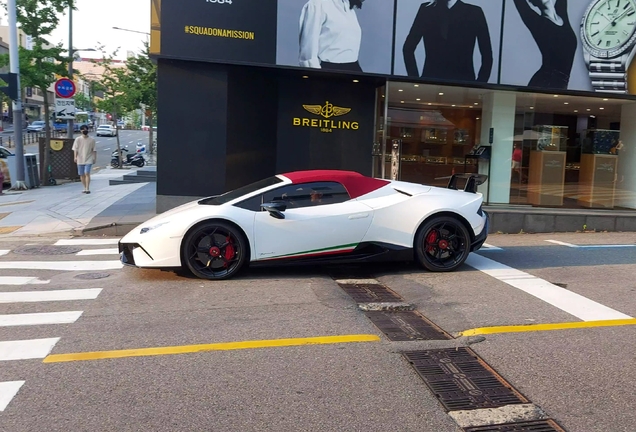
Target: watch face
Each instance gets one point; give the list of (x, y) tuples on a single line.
[(609, 26)]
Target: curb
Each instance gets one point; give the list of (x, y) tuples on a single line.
[(110, 230)]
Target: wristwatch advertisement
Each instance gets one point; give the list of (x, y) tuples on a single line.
[(608, 35)]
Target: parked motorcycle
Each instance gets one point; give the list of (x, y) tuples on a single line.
[(136, 159)]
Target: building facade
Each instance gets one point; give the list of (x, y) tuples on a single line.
[(541, 99)]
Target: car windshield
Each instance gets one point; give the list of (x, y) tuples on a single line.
[(37, 123), (237, 193)]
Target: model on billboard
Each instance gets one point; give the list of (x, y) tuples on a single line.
[(550, 27), (450, 29), (330, 35)]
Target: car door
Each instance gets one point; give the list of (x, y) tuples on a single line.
[(320, 219)]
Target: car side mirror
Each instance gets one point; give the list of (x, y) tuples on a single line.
[(275, 209)]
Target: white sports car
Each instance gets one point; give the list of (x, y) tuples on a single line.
[(314, 216)]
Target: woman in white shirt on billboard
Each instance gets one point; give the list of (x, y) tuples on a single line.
[(330, 35)]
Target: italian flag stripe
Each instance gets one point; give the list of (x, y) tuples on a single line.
[(318, 252)]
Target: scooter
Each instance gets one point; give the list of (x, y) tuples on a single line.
[(136, 159)]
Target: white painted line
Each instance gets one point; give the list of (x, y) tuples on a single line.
[(12, 320), (562, 243), (85, 252), (86, 242), (62, 265), (26, 349), (20, 280), (572, 303), (44, 296), (592, 246), (8, 390), (486, 247), (4, 252)]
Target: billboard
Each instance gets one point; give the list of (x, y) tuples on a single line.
[(582, 45)]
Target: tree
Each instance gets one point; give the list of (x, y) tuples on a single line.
[(114, 84), (39, 66), (82, 102), (141, 87)]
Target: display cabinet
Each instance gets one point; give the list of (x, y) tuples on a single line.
[(600, 141), (546, 178), (549, 138), (597, 180)]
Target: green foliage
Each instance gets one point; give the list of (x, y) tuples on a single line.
[(82, 102)]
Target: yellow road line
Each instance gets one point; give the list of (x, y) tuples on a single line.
[(548, 327), (9, 229), (226, 346)]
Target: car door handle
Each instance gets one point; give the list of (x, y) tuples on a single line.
[(358, 216)]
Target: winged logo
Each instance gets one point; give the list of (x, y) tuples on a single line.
[(327, 111)]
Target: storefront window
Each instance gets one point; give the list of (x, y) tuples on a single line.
[(540, 150)]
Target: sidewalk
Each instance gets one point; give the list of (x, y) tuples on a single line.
[(64, 209)]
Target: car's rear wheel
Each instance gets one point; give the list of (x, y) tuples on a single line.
[(214, 251), (442, 244)]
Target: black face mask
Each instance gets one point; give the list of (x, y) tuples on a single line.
[(85, 132)]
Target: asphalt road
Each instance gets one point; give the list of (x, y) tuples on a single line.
[(583, 378), (106, 145)]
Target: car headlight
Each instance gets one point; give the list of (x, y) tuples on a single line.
[(146, 229)]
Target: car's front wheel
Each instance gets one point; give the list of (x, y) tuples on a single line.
[(442, 244), (214, 251)]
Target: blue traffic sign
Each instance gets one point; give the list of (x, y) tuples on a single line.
[(65, 88)]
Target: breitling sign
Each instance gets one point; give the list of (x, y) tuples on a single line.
[(326, 124)]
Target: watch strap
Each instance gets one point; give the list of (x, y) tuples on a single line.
[(608, 75)]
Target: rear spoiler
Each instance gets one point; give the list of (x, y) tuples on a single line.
[(472, 181)]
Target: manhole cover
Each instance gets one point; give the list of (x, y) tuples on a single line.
[(406, 326), (524, 426), (46, 250), (461, 380), (92, 276)]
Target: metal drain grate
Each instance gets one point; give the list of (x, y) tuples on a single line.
[(406, 326), (461, 380), (529, 426), (370, 293)]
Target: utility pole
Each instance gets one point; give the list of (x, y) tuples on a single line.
[(70, 126), (17, 103)]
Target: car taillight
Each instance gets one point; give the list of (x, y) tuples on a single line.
[(480, 212)]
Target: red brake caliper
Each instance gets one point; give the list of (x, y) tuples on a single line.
[(229, 251), (431, 238)]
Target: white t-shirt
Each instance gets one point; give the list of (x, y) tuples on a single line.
[(85, 148), (329, 32)]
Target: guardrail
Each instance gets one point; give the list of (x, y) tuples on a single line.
[(29, 138)]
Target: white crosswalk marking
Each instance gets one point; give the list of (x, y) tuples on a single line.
[(85, 252), (8, 390), (26, 349), (86, 242), (20, 280), (62, 265), (4, 252), (47, 296), (45, 318), (568, 301)]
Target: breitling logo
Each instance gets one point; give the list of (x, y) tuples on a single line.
[(327, 111)]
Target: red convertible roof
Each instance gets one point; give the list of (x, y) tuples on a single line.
[(355, 183)]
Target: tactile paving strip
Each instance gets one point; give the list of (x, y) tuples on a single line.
[(406, 326), (529, 426), (461, 380)]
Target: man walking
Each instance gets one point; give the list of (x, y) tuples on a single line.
[(85, 156)]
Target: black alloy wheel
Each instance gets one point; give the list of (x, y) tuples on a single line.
[(442, 244), (214, 251)]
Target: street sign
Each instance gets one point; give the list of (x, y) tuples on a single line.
[(65, 109), (65, 88)]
